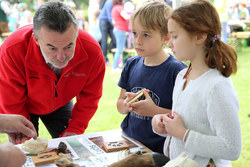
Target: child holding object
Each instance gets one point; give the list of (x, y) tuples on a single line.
[(205, 122), (153, 69)]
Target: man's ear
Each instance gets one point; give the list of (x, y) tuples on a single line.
[(35, 38), (201, 38)]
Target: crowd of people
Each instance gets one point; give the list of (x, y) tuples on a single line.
[(184, 108), (18, 14), (114, 24), (232, 15), (102, 22)]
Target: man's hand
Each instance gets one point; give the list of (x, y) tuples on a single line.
[(17, 127), (11, 156)]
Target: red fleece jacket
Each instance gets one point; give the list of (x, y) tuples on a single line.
[(28, 85)]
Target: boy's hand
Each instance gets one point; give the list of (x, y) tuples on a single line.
[(144, 107), (133, 98), (130, 96), (136, 98)]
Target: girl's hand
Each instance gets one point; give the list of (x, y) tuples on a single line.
[(158, 125), (174, 126)]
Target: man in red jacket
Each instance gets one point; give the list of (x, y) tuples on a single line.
[(45, 65)]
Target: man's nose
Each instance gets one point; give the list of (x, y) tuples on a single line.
[(61, 57)]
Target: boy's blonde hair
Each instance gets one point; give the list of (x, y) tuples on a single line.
[(153, 16)]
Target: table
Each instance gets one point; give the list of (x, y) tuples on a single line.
[(241, 34), (87, 150), (247, 22)]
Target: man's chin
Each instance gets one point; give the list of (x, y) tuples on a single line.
[(60, 65)]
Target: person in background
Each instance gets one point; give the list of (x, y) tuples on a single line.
[(5, 11), (13, 18), (129, 7), (139, 3), (80, 18), (120, 17), (169, 2), (234, 12), (248, 6), (24, 15), (234, 22), (222, 8), (93, 18), (40, 2), (45, 65), (19, 129), (153, 70), (102, 2), (205, 102), (106, 27), (244, 13)]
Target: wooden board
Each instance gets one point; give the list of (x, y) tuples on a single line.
[(99, 141), (115, 146), (44, 158), (241, 34)]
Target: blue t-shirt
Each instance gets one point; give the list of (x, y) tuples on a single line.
[(160, 81)]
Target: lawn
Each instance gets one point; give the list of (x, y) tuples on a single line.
[(107, 117)]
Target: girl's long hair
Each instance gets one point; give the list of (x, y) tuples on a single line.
[(200, 16)]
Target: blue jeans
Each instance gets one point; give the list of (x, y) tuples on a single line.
[(120, 37), (106, 29), (224, 32)]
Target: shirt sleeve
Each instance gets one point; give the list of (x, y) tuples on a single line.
[(125, 75), (12, 85)]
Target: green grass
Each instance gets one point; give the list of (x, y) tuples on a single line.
[(242, 85), (107, 117)]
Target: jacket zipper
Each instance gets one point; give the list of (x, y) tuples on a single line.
[(56, 82), (56, 95)]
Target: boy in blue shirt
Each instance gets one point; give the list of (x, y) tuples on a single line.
[(153, 71)]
